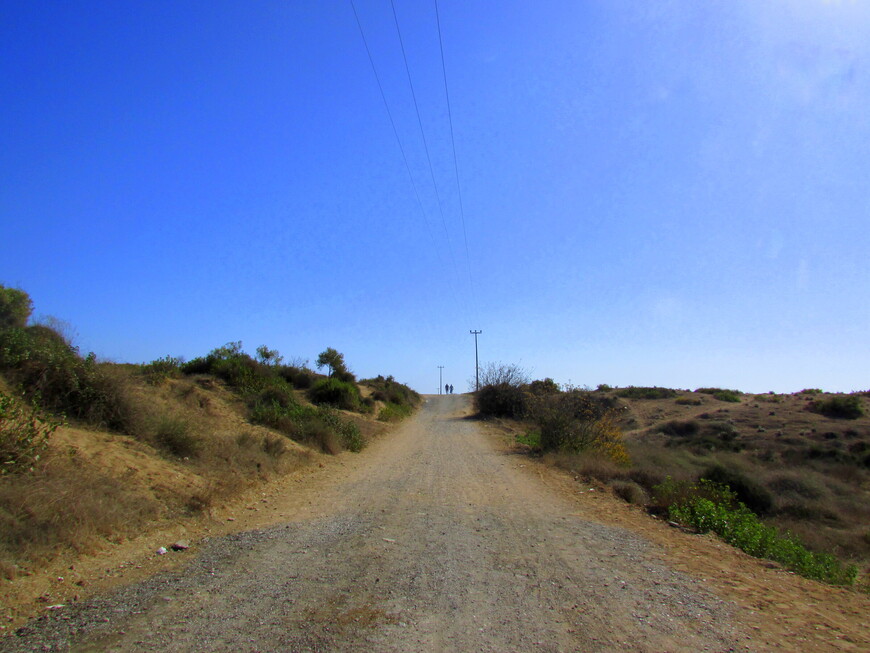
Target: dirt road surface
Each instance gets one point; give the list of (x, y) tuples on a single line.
[(432, 539)]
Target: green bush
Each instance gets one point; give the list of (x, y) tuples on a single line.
[(15, 308), (688, 401), (333, 392), (531, 439), (544, 387), (24, 435), (721, 394), (740, 527), (47, 368), (393, 412), (298, 377), (641, 392), (841, 406), (161, 369), (501, 400), (755, 496), (391, 391), (348, 432), (578, 421)]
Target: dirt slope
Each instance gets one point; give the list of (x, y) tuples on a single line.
[(435, 538)]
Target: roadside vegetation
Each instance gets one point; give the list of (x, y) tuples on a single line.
[(784, 477), (178, 435)]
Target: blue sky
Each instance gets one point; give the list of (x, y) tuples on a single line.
[(655, 193)]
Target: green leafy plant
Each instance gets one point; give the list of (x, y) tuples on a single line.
[(333, 392), (161, 369), (24, 435), (642, 392), (15, 308), (709, 506), (841, 406), (394, 412)]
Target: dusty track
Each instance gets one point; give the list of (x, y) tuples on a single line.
[(429, 540)]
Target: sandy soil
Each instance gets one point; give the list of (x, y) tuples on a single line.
[(438, 538)]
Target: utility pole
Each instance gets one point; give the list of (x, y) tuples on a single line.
[(440, 367), (476, 364)]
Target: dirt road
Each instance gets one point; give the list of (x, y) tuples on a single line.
[(432, 540)]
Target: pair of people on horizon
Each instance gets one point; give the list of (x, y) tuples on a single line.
[(448, 389)]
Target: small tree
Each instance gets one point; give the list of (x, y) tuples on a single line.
[(15, 308), (269, 356), (332, 359)]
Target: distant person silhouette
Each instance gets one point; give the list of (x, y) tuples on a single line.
[(451, 389), (447, 388)]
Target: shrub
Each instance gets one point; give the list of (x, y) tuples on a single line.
[(721, 394), (642, 392), (15, 308), (531, 439), (740, 527), (544, 387), (574, 424), (603, 387), (333, 392), (393, 412), (391, 391), (24, 435), (501, 400), (688, 401), (299, 377), (348, 432), (45, 366), (841, 406), (680, 429), (161, 369), (629, 492), (174, 436), (747, 491)]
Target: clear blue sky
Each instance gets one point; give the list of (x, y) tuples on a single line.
[(655, 193)]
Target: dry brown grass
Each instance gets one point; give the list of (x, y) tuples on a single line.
[(65, 503), (189, 446)]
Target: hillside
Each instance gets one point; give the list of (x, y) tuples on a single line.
[(800, 462), (95, 454)]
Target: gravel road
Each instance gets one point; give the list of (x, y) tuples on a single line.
[(433, 540)]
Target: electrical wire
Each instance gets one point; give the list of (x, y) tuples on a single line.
[(455, 161), (423, 135), (402, 148)]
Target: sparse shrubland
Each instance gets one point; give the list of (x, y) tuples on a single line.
[(732, 396), (793, 484), (178, 419), (633, 392), (710, 506), (569, 422), (841, 406), (24, 435)]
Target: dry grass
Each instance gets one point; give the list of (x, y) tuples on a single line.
[(65, 503), (190, 447), (816, 469)]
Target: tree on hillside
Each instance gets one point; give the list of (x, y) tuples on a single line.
[(15, 307), (269, 356), (332, 359)]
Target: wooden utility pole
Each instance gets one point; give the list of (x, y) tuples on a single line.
[(440, 367), (476, 364)]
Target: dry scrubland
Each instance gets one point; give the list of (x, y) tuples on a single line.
[(793, 469), (92, 453)]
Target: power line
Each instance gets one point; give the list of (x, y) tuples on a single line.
[(455, 161), (401, 147), (423, 135)]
